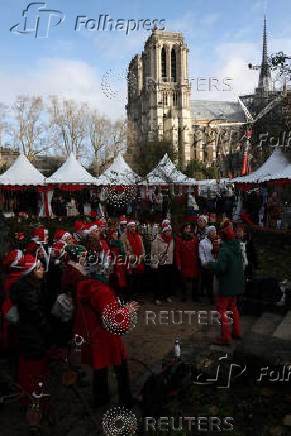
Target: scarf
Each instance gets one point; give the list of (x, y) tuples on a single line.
[(166, 239), (135, 243)]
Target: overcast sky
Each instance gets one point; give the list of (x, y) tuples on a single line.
[(222, 37)]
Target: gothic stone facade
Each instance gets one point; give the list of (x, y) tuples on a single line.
[(159, 106)]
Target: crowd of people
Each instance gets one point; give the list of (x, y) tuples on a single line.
[(58, 289)]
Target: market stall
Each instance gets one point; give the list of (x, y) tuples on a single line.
[(70, 189), (22, 189)]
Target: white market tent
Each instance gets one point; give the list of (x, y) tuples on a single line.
[(285, 174), (71, 173), (22, 173), (275, 164), (166, 173), (118, 174)]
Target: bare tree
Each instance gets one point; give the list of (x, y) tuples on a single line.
[(68, 120), (29, 129), (99, 131)]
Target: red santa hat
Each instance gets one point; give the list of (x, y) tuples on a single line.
[(91, 227), (27, 263), (31, 248), (166, 227), (61, 235), (122, 220), (130, 223), (40, 234), (58, 249), (12, 258), (79, 225), (165, 222)]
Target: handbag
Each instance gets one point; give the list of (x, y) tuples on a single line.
[(12, 315), (63, 307)]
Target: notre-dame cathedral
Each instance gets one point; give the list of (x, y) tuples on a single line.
[(160, 109), (159, 106)]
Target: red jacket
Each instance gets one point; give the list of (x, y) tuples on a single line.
[(187, 256), (103, 348)]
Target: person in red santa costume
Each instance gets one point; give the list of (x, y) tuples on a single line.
[(102, 347), (135, 252), (187, 260), (118, 260), (12, 274), (63, 236), (94, 241), (34, 328), (38, 247)]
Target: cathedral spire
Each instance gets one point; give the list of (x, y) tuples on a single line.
[(265, 74)]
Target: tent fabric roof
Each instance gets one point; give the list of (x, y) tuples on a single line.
[(119, 174), (166, 173), (72, 172), (22, 173), (275, 164), (285, 174)]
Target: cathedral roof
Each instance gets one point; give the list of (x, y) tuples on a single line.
[(216, 110)]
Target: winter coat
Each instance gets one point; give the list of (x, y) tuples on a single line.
[(161, 253), (205, 251), (34, 327), (103, 348), (8, 331), (187, 258), (229, 269)]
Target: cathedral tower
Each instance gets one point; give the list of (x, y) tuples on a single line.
[(159, 93)]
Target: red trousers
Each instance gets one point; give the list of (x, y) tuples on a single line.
[(224, 304)]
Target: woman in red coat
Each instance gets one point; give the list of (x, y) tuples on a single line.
[(11, 267), (102, 347), (187, 260)]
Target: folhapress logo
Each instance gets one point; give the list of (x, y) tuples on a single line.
[(38, 20)]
